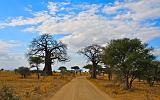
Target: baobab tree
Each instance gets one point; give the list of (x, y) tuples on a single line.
[(93, 55), (49, 50)]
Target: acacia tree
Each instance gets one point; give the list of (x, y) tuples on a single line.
[(93, 55), (76, 69), (89, 67), (35, 62), (63, 70), (49, 50), (128, 57), (99, 68), (23, 71)]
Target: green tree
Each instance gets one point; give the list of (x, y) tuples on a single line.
[(24, 71), (89, 67), (128, 57), (93, 55), (49, 50), (157, 74), (152, 73), (63, 70), (99, 68), (1, 69), (35, 62), (108, 70), (76, 69)]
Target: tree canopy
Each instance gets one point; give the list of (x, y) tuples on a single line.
[(62, 68), (24, 71), (75, 68), (128, 57)]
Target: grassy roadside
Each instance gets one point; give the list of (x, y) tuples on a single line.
[(31, 88), (141, 90)]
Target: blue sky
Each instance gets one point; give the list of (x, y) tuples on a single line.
[(77, 23)]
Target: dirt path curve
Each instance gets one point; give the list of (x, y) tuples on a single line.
[(80, 89)]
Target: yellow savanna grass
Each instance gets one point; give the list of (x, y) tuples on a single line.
[(141, 90), (31, 88)]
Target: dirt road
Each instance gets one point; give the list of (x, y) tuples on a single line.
[(80, 89)]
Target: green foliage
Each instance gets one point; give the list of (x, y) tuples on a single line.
[(75, 68), (35, 62), (89, 66), (7, 93), (24, 71), (152, 73), (128, 57), (62, 68), (99, 68), (108, 70), (63, 71)]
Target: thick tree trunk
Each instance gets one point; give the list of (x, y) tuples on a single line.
[(93, 75), (47, 69), (48, 62)]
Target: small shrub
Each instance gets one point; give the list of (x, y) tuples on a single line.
[(7, 93), (23, 71)]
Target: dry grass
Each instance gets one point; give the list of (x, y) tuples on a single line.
[(31, 88), (141, 91)]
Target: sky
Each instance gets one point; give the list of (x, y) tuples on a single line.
[(77, 23)]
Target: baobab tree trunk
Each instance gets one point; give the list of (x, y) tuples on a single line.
[(48, 69), (93, 74), (48, 62)]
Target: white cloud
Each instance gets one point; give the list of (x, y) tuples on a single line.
[(39, 17), (156, 51), (9, 58), (113, 8), (4, 45), (52, 8)]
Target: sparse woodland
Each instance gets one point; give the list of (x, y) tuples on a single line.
[(122, 67)]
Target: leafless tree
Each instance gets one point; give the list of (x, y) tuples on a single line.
[(49, 50), (93, 54)]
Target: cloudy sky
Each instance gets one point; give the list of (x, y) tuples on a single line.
[(78, 23)]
